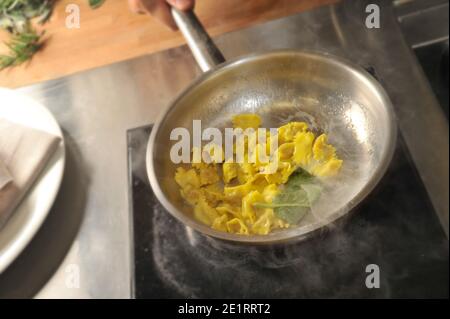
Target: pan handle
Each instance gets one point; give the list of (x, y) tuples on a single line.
[(202, 46)]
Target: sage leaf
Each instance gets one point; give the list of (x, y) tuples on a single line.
[(295, 198)]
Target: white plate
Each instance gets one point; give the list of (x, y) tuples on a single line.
[(32, 211)]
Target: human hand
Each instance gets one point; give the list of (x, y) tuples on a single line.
[(160, 9)]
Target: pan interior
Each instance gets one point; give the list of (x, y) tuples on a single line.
[(332, 96)]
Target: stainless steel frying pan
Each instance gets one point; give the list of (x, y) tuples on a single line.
[(331, 94)]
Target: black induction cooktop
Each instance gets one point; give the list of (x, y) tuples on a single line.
[(396, 229)]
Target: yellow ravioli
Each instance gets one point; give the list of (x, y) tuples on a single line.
[(287, 132), (245, 121), (224, 194), (237, 226)]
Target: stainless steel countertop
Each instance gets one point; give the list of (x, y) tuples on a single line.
[(87, 235)]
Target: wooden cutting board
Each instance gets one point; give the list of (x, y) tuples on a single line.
[(112, 33)]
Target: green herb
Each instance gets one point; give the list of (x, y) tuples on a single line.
[(15, 15), (296, 197), (96, 3), (22, 46), (15, 18)]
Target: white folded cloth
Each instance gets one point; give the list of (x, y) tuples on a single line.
[(24, 152)]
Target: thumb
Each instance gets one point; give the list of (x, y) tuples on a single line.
[(182, 4)]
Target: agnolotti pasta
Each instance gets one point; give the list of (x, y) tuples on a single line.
[(223, 194)]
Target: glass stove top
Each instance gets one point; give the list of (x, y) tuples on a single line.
[(395, 228)]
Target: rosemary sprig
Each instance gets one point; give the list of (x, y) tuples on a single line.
[(15, 15), (22, 47), (15, 18)]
